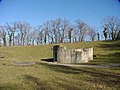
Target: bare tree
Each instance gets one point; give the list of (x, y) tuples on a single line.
[(39, 36), (24, 28), (70, 34), (64, 30), (45, 28), (105, 33), (3, 34), (118, 36), (14, 29), (11, 29), (98, 36), (17, 37), (0, 37), (92, 33), (31, 37), (112, 26), (56, 29), (51, 35), (9, 32), (82, 29), (75, 33)]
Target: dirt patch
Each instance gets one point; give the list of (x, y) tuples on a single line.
[(23, 63)]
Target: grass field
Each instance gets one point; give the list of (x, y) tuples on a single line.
[(44, 76)]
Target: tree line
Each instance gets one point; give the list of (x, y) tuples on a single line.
[(56, 31)]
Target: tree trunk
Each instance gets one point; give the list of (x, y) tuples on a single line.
[(13, 40), (4, 40), (10, 40)]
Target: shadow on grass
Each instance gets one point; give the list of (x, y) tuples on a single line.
[(47, 60), (76, 70), (105, 77), (116, 54), (111, 53), (37, 83), (60, 68), (68, 84), (106, 59), (111, 46)]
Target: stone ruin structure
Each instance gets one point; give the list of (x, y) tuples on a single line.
[(63, 55)]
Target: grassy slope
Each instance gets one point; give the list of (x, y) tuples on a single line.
[(46, 76), (106, 51)]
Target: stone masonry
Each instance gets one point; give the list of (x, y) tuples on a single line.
[(63, 55)]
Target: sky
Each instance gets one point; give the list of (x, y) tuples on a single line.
[(36, 12)]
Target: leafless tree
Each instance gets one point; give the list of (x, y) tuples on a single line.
[(70, 34), (3, 35), (75, 34), (112, 25), (56, 29), (39, 36), (98, 36), (24, 28), (92, 33), (64, 30), (0, 36), (11, 29), (82, 29), (31, 37), (10, 34), (45, 28), (51, 35)]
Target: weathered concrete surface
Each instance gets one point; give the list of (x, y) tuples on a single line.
[(65, 55)]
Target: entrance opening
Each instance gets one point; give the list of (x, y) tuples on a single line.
[(55, 53)]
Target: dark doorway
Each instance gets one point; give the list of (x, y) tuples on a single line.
[(55, 53)]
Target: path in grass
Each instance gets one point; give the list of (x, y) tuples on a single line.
[(108, 65)]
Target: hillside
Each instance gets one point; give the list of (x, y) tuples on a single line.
[(44, 76), (102, 49)]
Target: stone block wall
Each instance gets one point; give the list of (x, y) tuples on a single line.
[(82, 55)]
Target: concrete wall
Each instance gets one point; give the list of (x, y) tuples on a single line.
[(82, 55)]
